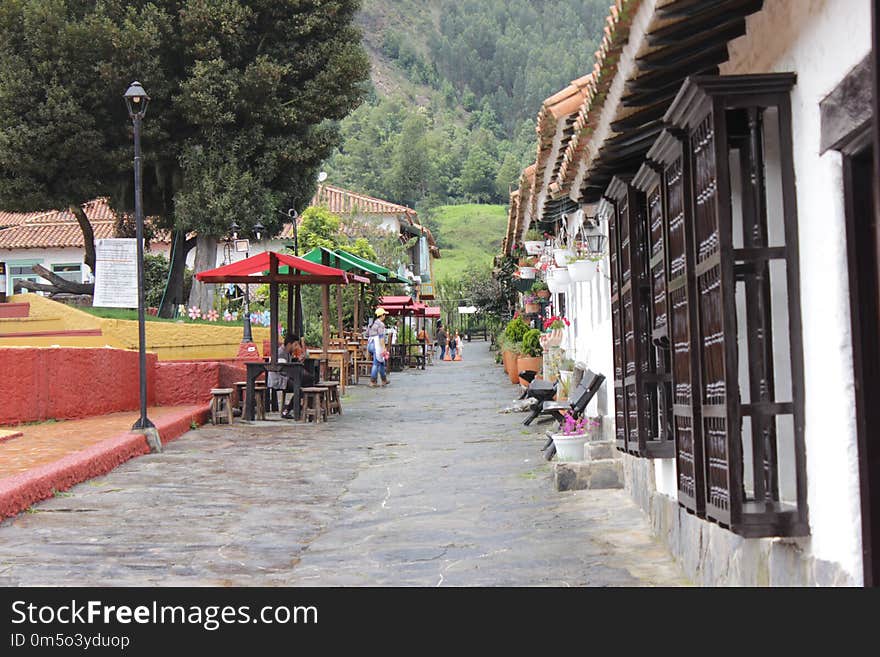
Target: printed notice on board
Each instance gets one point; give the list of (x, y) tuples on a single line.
[(116, 273)]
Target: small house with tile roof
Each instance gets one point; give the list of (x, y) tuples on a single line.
[(53, 239)]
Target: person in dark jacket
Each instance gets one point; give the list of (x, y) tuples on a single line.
[(441, 340)]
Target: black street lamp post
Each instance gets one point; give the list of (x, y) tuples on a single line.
[(136, 100)]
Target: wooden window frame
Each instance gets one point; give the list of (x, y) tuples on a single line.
[(641, 388), (701, 110)]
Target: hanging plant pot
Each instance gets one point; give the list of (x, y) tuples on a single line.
[(543, 294), (534, 247), (527, 273), (582, 270), (561, 277), (533, 308), (563, 256)]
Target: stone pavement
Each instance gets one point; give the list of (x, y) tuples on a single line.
[(423, 483)]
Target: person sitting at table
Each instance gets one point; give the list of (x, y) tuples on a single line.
[(293, 350)]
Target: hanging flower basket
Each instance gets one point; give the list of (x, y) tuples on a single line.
[(582, 271), (534, 247), (561, 276), (563, 256)]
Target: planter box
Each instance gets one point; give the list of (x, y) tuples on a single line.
[(533, 308)]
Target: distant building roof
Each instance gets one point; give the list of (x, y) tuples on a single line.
[(55, 229), (346, 202)]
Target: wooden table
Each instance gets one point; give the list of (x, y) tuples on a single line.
[(294, 371)]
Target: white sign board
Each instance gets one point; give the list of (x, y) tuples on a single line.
[(116, 273), (467, 310)]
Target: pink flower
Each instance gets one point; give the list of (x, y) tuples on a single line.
[(195, 313), (213, 315)]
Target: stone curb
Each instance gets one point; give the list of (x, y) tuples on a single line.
[(19, 492)]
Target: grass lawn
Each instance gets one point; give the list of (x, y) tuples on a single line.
[(469, 235)]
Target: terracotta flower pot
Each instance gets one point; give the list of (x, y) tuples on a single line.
[(543, 294), (512, 371), (533, 363), (533, 308)]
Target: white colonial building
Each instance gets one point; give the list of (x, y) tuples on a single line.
[(727, 151)]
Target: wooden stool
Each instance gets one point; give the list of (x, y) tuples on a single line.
[(240, 387), (313, 406), (260, 401), (220, 398), (334, 404), (365, 367)]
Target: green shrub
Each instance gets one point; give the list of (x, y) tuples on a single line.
[(531, 343), (539, 285), (516, 329)]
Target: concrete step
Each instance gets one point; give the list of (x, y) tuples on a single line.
[(14, 325), (583, 475)]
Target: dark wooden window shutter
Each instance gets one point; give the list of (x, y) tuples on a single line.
[(737, 133)]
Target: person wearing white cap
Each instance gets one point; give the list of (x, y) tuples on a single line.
[(376, 346)]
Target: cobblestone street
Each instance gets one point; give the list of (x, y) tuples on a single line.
[(422, 483)]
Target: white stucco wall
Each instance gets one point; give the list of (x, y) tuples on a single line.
[(49, 257), (820, 40)]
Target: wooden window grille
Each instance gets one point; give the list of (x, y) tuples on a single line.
[(733, 296), (639, 316)]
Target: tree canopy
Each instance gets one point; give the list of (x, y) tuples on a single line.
[(246, 99)]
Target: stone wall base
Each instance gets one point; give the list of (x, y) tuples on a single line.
[(713, 556)]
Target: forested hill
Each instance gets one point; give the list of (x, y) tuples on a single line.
[(456, 87)]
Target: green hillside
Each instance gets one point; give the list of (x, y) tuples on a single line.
[(468, 235)]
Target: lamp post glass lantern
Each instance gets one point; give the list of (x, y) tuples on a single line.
[(136, 101)]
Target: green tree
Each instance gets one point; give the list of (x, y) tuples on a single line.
[(319, 228), (478, 175), (246, 96), (410, 163)]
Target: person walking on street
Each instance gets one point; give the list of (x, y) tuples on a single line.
[(376, 347), (456, 353), (441, 340)]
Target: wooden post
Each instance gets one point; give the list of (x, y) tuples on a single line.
[(273, 311), (339, 309), (325, 326), (357, 308)]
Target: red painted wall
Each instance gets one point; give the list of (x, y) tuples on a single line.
[(66, 383), (190, 382), (41, 383)]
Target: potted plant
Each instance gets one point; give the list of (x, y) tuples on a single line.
[(566, 372), (585, 265), (513, 337), (553, 330), (534, 242), (531, 303), (573, 435), (540, 289), (531, 357)]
